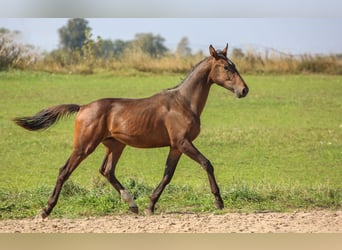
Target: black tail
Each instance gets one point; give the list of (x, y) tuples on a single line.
[(47, 117)]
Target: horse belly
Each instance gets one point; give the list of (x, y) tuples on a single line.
[(141, 133), (139, 123), (150, 139)]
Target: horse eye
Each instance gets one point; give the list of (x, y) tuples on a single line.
[(226, 67)]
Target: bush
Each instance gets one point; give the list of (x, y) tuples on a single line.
[(13, 54)]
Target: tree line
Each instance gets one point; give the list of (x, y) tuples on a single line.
[(76, 42), (77, 33), (80, 52)]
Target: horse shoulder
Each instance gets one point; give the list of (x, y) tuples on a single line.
[(181, 122)]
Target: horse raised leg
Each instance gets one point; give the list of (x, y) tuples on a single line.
[(186, 147), (170, 168), (107, 169)]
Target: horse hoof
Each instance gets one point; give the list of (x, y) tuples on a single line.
[(134, 210), (148, 212), (44, 213), (219, 204)]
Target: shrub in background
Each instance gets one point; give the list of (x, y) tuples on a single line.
[(13, 54)]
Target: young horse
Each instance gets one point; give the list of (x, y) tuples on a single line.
[(170, 118)]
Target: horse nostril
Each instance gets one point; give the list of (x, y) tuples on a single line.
[(244, 91)]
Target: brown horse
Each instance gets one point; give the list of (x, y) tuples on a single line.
[(170, 118)]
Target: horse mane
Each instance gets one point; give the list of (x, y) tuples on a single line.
[(189, 73), (220, 54)]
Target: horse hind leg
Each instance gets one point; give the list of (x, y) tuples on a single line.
[(107, 169), (89, 132), (64, 173), (77, 156)]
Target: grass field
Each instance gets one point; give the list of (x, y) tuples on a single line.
[(279, 149)]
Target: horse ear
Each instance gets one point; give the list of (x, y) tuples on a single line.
[(213, 52), (225, 50)]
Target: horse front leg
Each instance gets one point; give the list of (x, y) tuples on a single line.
[(170, 168), (186, 147)]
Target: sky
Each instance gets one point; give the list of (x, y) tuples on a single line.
[(167, 8), (289, 26), (288, 35)]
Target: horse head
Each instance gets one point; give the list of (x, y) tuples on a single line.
[(224, 73)]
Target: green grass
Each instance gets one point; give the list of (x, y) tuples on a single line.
[(279, 149)]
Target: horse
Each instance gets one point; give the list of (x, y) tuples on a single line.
[(170, 118)]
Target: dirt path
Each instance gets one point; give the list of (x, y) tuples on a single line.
[(301, 222)]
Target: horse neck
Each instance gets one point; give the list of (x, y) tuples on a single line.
[(195, 88)]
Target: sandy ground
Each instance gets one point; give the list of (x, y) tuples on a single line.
[(297, 222)]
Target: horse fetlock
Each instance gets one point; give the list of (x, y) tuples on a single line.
[(126, 197)]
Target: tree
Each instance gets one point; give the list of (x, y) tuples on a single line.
[(183, 48), (237, 53), (108, 48), (119, 47), (73, 35), (105, 48), (150, 44)]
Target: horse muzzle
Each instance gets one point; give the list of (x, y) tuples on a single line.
[(242, 92)]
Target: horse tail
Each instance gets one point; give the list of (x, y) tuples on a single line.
[(46, 117)]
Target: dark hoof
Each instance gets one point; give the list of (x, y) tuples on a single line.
[(219, 204), (134, 210), (45, 213)]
